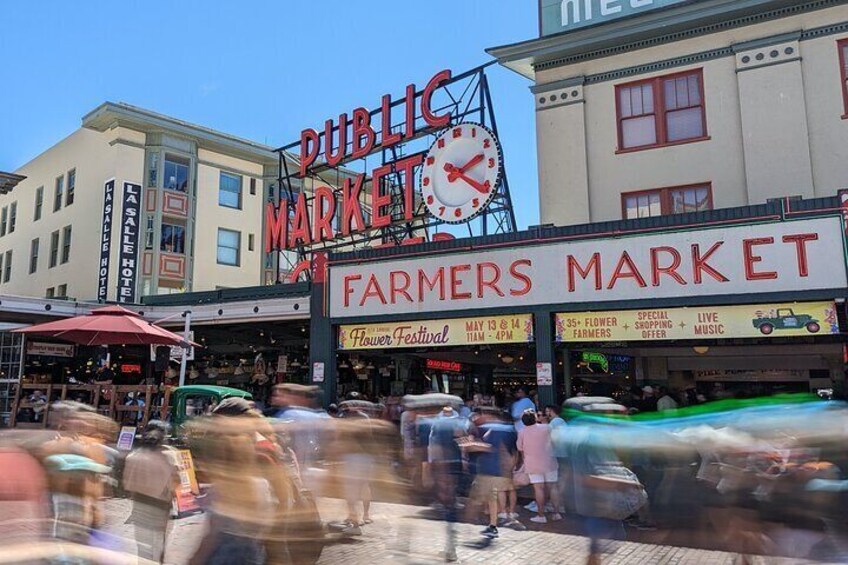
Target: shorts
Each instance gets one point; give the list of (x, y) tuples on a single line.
[(487, 487), (550, 477)]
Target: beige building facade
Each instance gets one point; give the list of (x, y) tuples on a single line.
[(685, 106), (200, 219)]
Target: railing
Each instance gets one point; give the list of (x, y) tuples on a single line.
[(95, 395)]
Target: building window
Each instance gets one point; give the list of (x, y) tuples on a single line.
[(229, 191), (666, 201), (7, 267), (54, 249), (250, 242), (176, 173), (13, 216), (173, 239), (39, 202), (51, 292), (66, 244), (661, 111), (72, 183), (33, 256), (229, 244), (4, 220), (148, 233), (843, 71), (57, 199), (253, 187), (62, 291)]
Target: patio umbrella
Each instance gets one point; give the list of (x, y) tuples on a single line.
[(110, 325)]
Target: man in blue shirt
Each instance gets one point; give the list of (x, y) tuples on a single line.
[(494, 466), (520, 406)]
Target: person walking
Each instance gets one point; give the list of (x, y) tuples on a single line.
[(150, 477), (534, 443), (445, 457)]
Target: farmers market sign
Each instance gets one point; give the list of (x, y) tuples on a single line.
[(779, 256)]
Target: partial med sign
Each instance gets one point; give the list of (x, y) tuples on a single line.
[(702, 322), (438, 333), (566, 15), (780, 256)]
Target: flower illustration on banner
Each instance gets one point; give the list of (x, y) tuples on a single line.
[(830, 318), (528, 328), (560, 329), (342, 338)]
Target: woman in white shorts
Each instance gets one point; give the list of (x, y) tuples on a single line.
[(534, 443)]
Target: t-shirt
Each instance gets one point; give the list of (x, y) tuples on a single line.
[(443, 436), (535, 442), (518, 408), (502, 438)]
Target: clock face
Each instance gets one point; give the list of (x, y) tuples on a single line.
[(461, 172)]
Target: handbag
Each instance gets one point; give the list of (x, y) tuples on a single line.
[(614, 491), (520, 478)]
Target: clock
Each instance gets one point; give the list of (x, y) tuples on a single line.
[(461, 172)]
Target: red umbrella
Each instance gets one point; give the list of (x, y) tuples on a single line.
[(111, 325)]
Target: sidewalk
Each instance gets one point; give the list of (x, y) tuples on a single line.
[(409, 534)]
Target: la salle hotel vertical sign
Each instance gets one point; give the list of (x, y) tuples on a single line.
[(106, 239), (128, 253)]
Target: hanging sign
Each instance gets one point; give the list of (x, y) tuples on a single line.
[(128, 254), (50, 349), (438, 333), (780, 256), (707, 322), (318, 372), (105, 240)]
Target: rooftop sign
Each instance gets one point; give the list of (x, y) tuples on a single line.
[(557, 16)]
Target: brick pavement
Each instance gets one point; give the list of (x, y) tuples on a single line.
[(409, 534)]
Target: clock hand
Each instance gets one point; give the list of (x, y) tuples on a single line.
[(454, 172)]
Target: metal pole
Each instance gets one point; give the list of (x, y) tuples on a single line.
[(186, 347)]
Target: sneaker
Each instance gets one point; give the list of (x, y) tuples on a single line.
[(503, 516), (532, 507), (539, 519), (550, 507), (490, 532), (515, 525), (513, 515), (556, 517)]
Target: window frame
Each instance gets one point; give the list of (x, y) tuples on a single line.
[(163, 240), (221, 175), (39, 204), (665, 198), (176, 160), (842, 46), (67, 236), (4, 220), (7, 267), (218, 246), (69, 187), (62, 290), (660, 111), (53, 258), (50, 292), (33, 255), (13, 216), (58, 194)]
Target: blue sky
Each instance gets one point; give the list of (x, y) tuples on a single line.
[(263, 70)]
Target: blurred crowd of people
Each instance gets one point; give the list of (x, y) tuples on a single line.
[(738, 475)]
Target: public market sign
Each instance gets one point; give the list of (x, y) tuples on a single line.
[(771, 257), (349, 138), (438, 333), (708, 322), (566, 15)]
